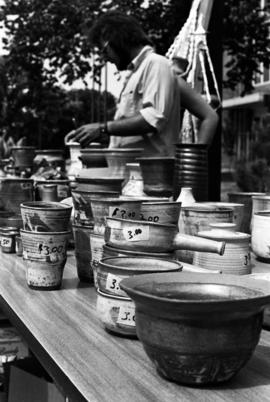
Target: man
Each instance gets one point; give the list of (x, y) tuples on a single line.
[(148, 110)]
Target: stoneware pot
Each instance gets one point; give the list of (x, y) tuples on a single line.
[(246, 199), (158, 175), (154, 237), (259, 203), (93, 157), (236, 258), (238, 211), (23, 156), (117, 314), (98, 179), (111, 271), (62, 189), (82, 204), (15, 191), (124, 208), (41, 216), (117, 158), (161, 212), (81, 234), (45, 255), (197, 217), (197, 328), (260, 237)]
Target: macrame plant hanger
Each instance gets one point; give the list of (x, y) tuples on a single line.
[(191, 45)]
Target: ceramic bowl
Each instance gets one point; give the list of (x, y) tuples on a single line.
[(139, 235), (154, 237), (198, 328), (42, 216), (111, 271), (116, 313), (161, 212)]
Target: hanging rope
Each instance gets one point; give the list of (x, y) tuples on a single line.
[(191, 44)]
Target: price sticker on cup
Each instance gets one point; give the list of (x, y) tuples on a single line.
[(6, 241), (112, 283), (126, 315), (138, 233)]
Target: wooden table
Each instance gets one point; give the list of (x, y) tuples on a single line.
[(62, 329)]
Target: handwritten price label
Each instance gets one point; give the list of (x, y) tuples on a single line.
[(126, 316), (6, 241), (139, 233), (112, 283), (116, 212), (47, 250)]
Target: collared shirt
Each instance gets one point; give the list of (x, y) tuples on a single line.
[(151, 89)]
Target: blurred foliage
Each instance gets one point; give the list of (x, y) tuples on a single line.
[(46, 41)]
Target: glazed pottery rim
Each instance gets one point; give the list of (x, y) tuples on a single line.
[(112, 296), (123, 150), (177, 265), (108, 248), (63, 181), (52, 151), (261, 197), (56, 233), (115, 200), (95, 191), (176, 203), (205, 209), (137, 223), (90, 180), (69, 143), (261, 287), (41, 205)]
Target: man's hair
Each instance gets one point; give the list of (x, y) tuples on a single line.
[(121, 30)]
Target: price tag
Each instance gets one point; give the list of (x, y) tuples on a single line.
[(138, 233), (26, 186), (112, 282), (6, 241), (126, 316)]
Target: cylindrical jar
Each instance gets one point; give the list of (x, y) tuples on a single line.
[(236, 257)]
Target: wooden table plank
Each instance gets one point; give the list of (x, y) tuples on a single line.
[(65, 333)]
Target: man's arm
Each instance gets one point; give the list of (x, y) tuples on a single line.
[(196, 105)]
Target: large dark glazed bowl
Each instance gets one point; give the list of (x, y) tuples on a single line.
[(198, 328)]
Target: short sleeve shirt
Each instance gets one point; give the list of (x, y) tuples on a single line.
[(151, 90)]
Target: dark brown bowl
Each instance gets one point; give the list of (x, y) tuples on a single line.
[(198, 328)]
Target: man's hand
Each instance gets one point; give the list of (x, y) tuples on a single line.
[(84, 134)]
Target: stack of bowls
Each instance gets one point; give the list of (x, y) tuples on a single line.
[(191, 170), (82, 227), (45, 240), (115, 309), (126, 208)]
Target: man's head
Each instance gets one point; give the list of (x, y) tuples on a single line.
[(116, 35)]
